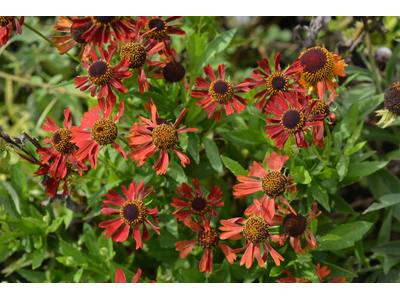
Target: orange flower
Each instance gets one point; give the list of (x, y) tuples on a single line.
[(120, 277), (6, 27)]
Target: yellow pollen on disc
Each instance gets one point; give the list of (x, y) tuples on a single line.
[(274, 184), (135, 53), (320, 107), (5, 20), (256, 230), (208, 239), (133, 213), (100, 72), (199, 206), (165, 136), (221, 91), (104, 21), (60, 141), (104, 132), (319, 64), (161, 28), (277, 82), (293, 120)]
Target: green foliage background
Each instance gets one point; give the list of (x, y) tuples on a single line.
[(358, 191)]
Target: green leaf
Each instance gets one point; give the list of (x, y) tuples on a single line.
[(56, 223), (191, 275), (176, 172), (365, 168), (195, 46), (300, 175), (13, 195), (244, 137), (320, 195), (233, 166), (38, 258), (338, 204), (386, 201), (194, 147), (389, 248), (31, 225), (355, 148), (91, 240), (349, 234), (68, 250), (391, 65), (32, 276), (366, 106), (213, 154), (78, 275)]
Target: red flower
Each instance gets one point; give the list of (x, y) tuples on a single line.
[(52, 184), (273, 183), (6, 27), (292, 279), (99, 30), (320, 68), (161, 30), (293, 116), (198, 204), (219, 91), (104, 76), (73, 37), (322, 107), (137, 52), (120, 276), (173, 71), (273, 82), (151, 135), (102, 132), (295, 227), (62, 148), (208, 239), (256, 232), (321, 272), (131, 212)]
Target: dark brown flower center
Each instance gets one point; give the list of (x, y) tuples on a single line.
[(60, 141), (6, 20), (277, 83), (274, 184), (133, 212), (319, 65), (160, 28), (256, 230), (100, 72), (104, 132), (221, 91), (173, 72), (76, 34), (165, 136), (208, 239), (135, 53), (294, 225), (391, 98), (198, 206), (293, 120), (104, 20)]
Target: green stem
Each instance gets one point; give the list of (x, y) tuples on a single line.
[(49, 41), (317, 154), (210, 128), (329, 140), (199, 28)]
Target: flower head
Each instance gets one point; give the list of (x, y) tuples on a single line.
[(255, 230), (131, 211), (391, 101), (295, 227), (320, 68), (219, 92), (151, 135), (61, 149), (137, 52), (6, 27), (100, 30), (52, 184), (273, 83), (102, 77), (120, 276), (323, 272), (160, 30), (293, 116), (273, 183), (208, 239), (96, 131), (72, 38), (198, 204), (292, 279)]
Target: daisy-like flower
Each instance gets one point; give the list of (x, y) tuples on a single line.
[(137, 52), (52, 184), (151, 135), (256, 232), (99, 30), (6, 27), (320, 68), (161, 30), (219, 92), (61, 149), (102, 132), (292, 279), (273, 83), (296, 227), (173, 71), (72, 38), (391, 100), (322, 107), (198, 204), (293, 116), (273, 183), (120, 277), (132, 212), (102, 77), (323, 272), (208, 239)]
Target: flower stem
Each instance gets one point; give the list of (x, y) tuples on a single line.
[(317, 154), (49, 41), (329, 140), (199, 26), (210, 128)]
